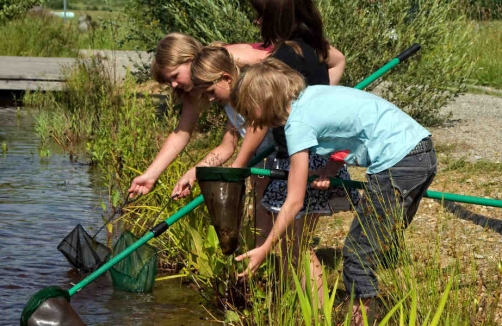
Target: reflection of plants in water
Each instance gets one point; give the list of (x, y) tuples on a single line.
[(4, 147)]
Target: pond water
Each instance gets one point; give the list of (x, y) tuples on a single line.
[(41, 201)]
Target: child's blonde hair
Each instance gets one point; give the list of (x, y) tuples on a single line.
[(173, 50), (269, 86), (209, 65)]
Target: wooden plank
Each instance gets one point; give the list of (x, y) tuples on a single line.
[(23, 73), (33, 68), (23, 85)]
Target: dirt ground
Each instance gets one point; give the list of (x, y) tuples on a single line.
[(469, 158)]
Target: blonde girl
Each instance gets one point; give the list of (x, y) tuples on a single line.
[(171, 66)]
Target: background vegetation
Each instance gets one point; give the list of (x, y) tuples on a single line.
[(124, 128), (11, 9)]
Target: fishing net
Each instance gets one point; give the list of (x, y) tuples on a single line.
[(136, 272), (50, 306), (223, 190), (82, 251)]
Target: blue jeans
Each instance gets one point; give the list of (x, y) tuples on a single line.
[(387, 207)]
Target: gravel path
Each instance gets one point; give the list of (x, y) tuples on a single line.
[(475, 129)]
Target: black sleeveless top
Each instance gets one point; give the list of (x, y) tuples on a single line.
[(314, 72)]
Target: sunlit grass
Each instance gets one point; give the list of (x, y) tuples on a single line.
[(487, 51)]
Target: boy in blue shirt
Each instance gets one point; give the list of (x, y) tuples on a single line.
[(397, 152)]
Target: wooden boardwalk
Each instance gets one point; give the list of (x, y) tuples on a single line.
[(38, 73)]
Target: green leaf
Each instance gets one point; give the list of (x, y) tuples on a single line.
[(116, 198), (387, 317), (198, 244), (231, 316), (102, 205), (304, 301), (414, 306), (204, 268), (442, 303)]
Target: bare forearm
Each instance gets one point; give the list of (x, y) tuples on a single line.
[(217, 156), (286, 216), (171, 148), (177, 140), (250, 144), (297, 186), (224, 151)]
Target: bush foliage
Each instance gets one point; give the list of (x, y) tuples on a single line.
[(10, 9), (368, 33), (485, 9), (207, 20)]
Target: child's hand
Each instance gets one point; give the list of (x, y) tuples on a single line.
[(141, 185), (256, 258), (321, 183), (330, 170), (184, 185)]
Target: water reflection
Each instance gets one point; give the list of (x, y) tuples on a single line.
[(41, 201)]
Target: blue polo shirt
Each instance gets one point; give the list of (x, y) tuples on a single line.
[(327, 119)]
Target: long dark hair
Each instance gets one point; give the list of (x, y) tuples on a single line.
[(281, 20)]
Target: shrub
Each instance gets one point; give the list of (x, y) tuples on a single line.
[(484, 9), (206, 20), (10, 9), (371, 33)]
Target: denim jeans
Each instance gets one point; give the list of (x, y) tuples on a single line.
[(387, 207)]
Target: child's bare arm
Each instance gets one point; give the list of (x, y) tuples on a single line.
[(172, 146), (216, 157), (297, 186), (249, 145)]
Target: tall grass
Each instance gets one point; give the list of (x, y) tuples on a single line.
[(487, 53), (44, 35)]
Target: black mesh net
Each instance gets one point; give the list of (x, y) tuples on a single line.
[(136, 272), (83, 252)]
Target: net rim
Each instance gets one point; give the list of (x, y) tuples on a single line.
[(224, 174), (40, 297)]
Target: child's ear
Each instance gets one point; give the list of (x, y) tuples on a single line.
[(227, 78)]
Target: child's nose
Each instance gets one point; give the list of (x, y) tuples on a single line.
[(174, 84)]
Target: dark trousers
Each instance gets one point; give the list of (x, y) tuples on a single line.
[(387, 207)]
